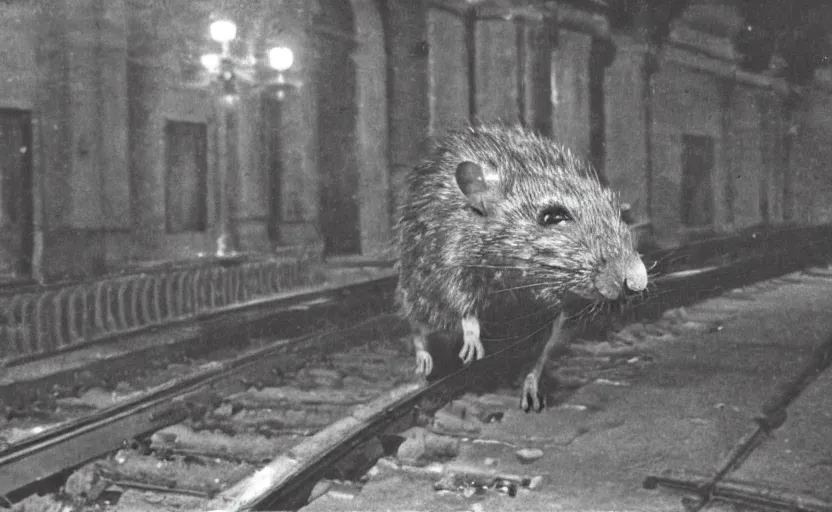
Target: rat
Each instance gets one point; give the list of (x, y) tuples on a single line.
[(497, 207)]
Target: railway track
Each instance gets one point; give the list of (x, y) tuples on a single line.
[(75, 426), (259, 431)]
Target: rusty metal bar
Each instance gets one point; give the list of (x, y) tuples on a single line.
[(58, 340), (135, 299), (41, 324), (156, 295), (739, 492), (180, 305), (773, 416), (73, 314), (100, 325)]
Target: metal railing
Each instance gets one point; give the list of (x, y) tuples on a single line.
[(44, 320)]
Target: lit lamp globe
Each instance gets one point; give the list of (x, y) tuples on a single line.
[(211, 62), (281, 59), (223, 31)]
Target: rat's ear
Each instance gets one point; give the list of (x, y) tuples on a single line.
[(477, 184)]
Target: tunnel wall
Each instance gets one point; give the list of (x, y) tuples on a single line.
[(811, 154), (102, 78)]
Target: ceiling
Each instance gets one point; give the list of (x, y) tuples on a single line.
[(796, 31)]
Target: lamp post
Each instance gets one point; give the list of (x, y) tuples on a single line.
[(227, 69)]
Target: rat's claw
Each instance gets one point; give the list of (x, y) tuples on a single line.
[(424, 363), (471, 349), (532, 398)]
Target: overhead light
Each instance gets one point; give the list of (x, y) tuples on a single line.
[(211, 62), (281, 58), (223, 31)]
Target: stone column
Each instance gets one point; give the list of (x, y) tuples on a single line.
[(147, 87), (228, 157), (449, 87), (725, 186), (248, 185), (112, 115), (786, 161), (537, 37), (371, 130), (298, 142), (496, 69), (743, 136), (774, 130), (511, 69), (571, 122), (407, 61), (626, 131), (82, 98)]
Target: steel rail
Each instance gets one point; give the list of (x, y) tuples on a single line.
[(76, 442), (289, 490)]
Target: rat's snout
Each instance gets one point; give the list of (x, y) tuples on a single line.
[(616, 280), (635, 276)]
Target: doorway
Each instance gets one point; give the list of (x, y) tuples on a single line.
[(16, 193)]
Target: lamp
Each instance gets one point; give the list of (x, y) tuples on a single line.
[(227, 68), (281, 59), (223, 31)]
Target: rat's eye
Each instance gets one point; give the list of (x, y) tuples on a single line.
[(553, 216)]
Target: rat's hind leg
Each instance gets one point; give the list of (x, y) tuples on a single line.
[(471, 344), (424, 361), (532, 397)]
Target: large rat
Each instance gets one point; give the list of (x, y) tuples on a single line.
[(500, 207)]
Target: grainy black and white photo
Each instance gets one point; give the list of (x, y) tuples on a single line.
[(415, 255)]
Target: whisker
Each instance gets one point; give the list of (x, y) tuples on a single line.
[(549, 308), (495, 267), (586, 309), (524, 286), (545, 326), (656, 296)]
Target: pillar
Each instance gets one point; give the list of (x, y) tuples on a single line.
[(747, 171), (81, 101), (298, 139), (570, 82), (627, 133), (371, 129), (248, 183), (449, 85), (496, 86), (407, 63)]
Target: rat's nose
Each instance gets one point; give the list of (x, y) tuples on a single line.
[(622, 277), (635, 276)]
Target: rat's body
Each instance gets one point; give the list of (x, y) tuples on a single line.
[(494, 204)]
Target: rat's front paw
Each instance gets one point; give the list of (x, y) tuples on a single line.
[(424, 363), (471, 349), (532, 398)]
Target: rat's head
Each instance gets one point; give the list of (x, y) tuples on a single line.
[(539, 208)]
